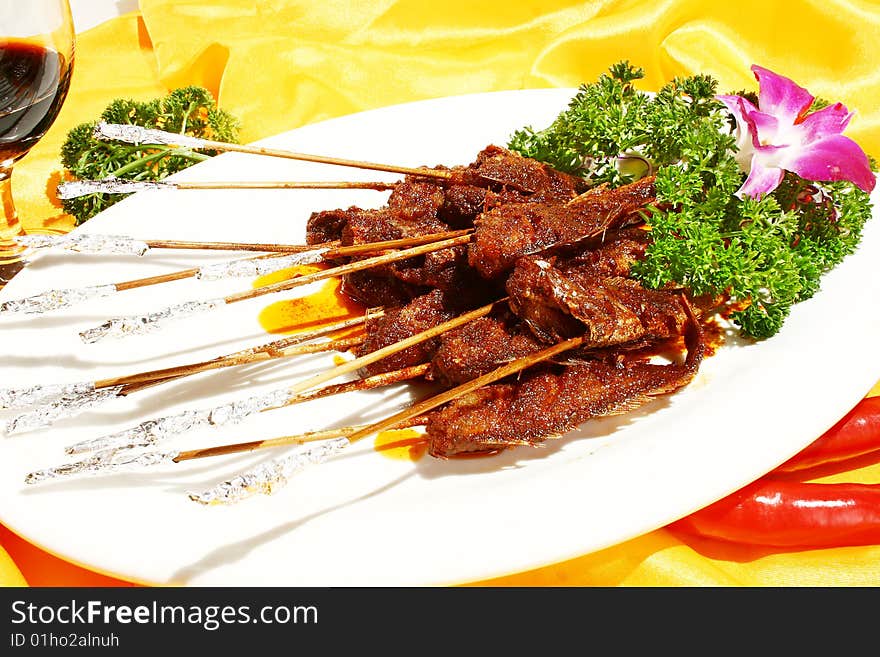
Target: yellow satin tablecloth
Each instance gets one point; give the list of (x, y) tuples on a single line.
[(280, 64)]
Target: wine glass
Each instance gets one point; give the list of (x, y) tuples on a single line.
[(36, 62)]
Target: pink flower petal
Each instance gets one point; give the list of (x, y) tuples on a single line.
[(833, 158), (745, 131), (781, 97), (828, 121), (764, 128), (738, 106), (762, 179)]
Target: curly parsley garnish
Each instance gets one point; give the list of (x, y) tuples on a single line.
[(188, 110), (761, 255)]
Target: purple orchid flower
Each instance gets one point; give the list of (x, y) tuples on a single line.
[(779, 136)]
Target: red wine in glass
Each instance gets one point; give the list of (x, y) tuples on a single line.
[(36, 61), (37, 41), (33, 84)]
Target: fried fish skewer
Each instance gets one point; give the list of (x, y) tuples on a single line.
[(133, 134), (287, 256), (637, 386)]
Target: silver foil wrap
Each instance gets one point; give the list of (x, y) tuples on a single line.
[(18, 398), (108, 244), (60, 408), (269, 477), (120, 327), (102, 463), (258, 267), (79, 188), (135, 134), (154, 431), (55, 299)]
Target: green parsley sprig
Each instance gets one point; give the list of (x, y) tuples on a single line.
[(763, 255), (188, 110)]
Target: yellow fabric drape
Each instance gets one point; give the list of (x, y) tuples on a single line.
[(279, 64), (282, 63)]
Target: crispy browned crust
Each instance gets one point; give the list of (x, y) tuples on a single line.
[(549, 401), (480, 347), (513, 230)]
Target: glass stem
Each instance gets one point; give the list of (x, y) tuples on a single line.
[(10, 228)]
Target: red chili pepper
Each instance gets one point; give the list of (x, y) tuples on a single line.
[(857, 433), (778, 513)]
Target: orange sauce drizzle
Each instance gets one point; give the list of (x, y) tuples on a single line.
[(326, 306), (401, 444)]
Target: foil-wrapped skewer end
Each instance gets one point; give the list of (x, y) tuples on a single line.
[(135, 134), (86, 243), (55, 300), (101, 463), (153, 431), (120, 327), (270, 477), (37, 241), (64, 406), (19, 398), (77, 188), (258, 267)]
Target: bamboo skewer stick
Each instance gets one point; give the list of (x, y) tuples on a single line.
[(328, 251), (281, 257), (351, 267), (307, 184), (284, 441), (235, 361), (384, 352), (108, 389), (272, 347), (332, 249), (118, 450), (268, 478), (111, 457), (141, 437), (137, 135), (150, 431), (123, 245), (57, 401), (89, 243), (188, 245), (122, 326), (379, 380), (174, 276), (159, 279), (77, 188)]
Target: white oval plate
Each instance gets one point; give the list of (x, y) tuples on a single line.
[(364, 519)]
